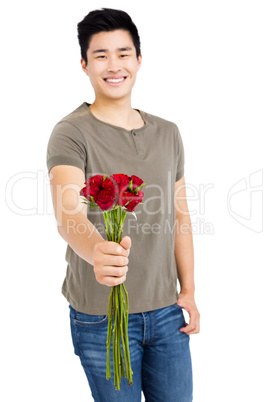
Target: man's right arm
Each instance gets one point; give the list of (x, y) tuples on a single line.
[(109, 259)]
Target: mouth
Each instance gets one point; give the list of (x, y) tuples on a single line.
[(115, 81)]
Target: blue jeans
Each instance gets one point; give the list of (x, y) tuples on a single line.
[(159, 353)]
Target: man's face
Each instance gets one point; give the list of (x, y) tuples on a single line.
[(112, 55)]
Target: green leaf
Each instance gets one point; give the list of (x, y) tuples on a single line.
[(85, 199), (138, 188), (133, 213)]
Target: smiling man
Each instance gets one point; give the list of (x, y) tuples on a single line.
[(111, 136), (112, 65)]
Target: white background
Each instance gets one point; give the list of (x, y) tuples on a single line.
[(205, 68)]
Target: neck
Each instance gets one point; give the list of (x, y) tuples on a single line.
[(118, 112)]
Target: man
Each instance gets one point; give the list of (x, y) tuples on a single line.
[(109, 136)]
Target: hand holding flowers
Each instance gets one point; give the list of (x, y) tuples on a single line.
[(111, 261)]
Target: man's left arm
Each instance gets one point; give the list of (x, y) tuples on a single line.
[(184, 254)]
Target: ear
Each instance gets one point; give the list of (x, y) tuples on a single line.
[(139, 61), (84, 66)]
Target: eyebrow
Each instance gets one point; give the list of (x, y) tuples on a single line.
[(120, 49)]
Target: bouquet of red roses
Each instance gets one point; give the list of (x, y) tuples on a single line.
[(116, 195)]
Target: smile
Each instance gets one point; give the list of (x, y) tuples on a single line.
[(115, 81)]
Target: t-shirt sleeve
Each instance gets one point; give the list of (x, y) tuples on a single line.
[(66, 146), (180, 156)]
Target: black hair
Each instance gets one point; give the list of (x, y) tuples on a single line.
[(105, 19)]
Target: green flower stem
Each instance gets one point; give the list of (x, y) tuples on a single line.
[(125, 322), (122, 328), (122, 364), (106, 223), (112, 215), (109, 222), (118, 309), (115, 224), (122, 218), (114, 345), (109, 334), (118, 218), (118, 339)]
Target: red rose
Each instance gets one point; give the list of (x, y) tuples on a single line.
[(102, 191), (106, 197), (84, 192), (93, 187), (121, 182), (104, 200), (136, 182), (121, 179), (134, 200), (123, 199)]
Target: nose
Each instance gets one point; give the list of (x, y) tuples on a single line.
[(114, 64)]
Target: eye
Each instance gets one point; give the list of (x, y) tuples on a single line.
[(124, 55), (99, 57)]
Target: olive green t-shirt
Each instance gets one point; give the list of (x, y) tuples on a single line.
[(155, 153)]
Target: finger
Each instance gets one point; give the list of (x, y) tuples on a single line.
[(126, 242), (112, 260), (110, 247), (109, 270), (195, 331), (190, 328), (114, 281), (187, 329)]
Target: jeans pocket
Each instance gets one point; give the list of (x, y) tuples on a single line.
[(89, 319), (177, 306)]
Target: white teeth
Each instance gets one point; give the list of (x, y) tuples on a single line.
[(115, 80)]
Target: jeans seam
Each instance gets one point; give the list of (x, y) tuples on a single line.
[(144, 331), (73, 317), (91, 324), (155, 336), (154, 329), (76, 337)]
